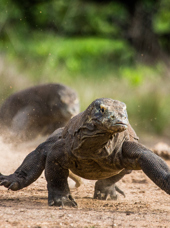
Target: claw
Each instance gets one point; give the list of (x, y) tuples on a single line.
[(97, 195), (72, 201), (68, 201), (63, 202), (10, 187), (51, 203), (119, 190), (3, 182)]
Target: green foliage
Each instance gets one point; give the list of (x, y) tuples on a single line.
[(161, 24), (65, 17), (134, 75), (76, 55), (161, 20), (80, 17), (11, 17), (150, 113)]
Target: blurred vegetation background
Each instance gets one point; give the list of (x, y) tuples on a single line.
[(101, 48)]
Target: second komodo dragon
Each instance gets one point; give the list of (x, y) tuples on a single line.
[(37, 111), (97, 144)]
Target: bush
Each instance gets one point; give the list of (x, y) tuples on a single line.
[(77, 55)]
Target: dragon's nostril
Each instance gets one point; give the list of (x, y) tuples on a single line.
[(112, 116)]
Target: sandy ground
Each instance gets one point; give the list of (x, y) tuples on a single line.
[(145, 205)]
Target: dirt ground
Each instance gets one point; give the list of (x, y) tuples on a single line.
[(145, 205)]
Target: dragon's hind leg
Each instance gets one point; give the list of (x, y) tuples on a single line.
[(107, 187)]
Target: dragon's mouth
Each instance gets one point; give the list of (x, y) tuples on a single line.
[(110, 126), (120, 124), (118, 127)]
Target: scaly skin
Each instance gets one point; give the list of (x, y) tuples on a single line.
[(97, 144)]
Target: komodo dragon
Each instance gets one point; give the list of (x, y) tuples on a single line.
[(97, 144), (38, 110)]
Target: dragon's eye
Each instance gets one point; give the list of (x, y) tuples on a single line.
[(102, 109)]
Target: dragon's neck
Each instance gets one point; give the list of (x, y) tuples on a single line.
[(90, 143)]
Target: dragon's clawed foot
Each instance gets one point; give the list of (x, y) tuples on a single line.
[(102, 192), (9, 182), (56, 199)]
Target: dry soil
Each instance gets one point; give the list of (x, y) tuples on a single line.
[(145, 205)]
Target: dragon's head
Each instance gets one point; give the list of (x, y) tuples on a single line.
[(108, 115)]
